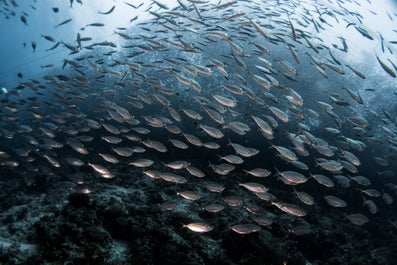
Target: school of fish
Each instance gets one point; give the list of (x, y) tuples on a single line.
[(216, 101)]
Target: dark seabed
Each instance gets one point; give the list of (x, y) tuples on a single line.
[(198, 132)]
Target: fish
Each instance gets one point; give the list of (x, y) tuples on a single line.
[(103, 171), (133, 6), (225, 5), (263, 220), (177, 164), (282, 115), (192, 114), (263, 125), (292, 29), (156, 145), (357, 219), (159, 4), (361, 180), (245, 228), (373, 209), (304, 197), (330, 165), (109, 158), (107, 12), (386, 68), (254, 187), (34, 46), (292, 177), (358, 73), (335, 201), (258, 172), (24, 20), (211, 131), (49, 38), (226, 101), (193, 139), (199, 227), (194, 171), (63, 22), (214, 208), (364, 32), (174, 178), (354, 95), (334, 68), (323, 180), (372, 192), (123, 151), (74, 161), (54, 162), (142, 162), (222, 169), (95, 24), (215, 115), (290, 208), (154, 174), (233, 201), (285, 152), (352, 158), (214, 187), (189, 195)]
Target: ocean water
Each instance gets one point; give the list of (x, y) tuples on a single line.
[(198, 132)]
